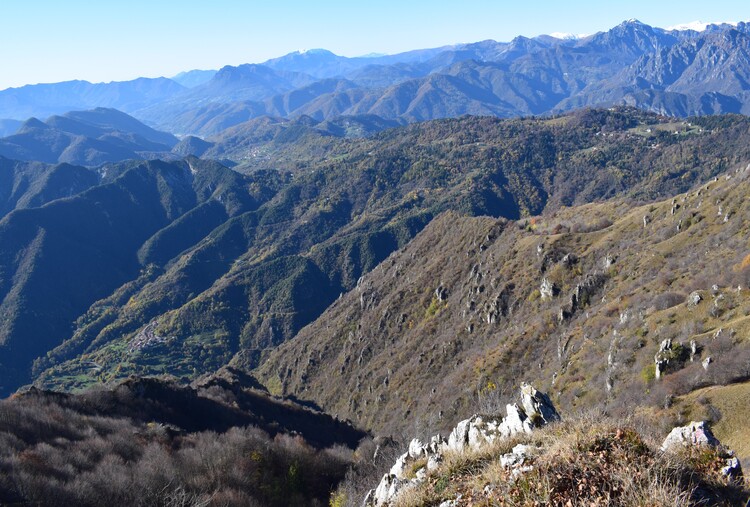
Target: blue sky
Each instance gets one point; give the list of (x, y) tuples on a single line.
[(113, 40)]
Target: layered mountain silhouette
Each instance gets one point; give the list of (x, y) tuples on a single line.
[(674, 72), (44, 100), (86, 138)]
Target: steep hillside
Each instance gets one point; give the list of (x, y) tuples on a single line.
[(257, 278), (33, 184), (57, 259), (269, 142), (580, 301), (697, 76)]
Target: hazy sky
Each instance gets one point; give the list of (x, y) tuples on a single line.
[(113, 40)]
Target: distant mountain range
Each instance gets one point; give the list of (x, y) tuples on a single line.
[(678, 72), (86, 138), (43, 100)]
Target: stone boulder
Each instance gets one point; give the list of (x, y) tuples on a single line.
[(389, 487), (670, 357), (699, 434), (695, 433), (694, 299), (535, 411), (538, 406), (416, 449), (399, 467)]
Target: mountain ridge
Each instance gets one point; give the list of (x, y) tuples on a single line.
[(87, 138), (244, 288), (602, 70)]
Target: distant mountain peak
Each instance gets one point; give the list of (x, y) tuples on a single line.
[(315, 51), (699, 26), (33, 123), (568, 36), (634, 24)]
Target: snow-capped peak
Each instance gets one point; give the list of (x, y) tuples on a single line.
[(699, 26), (567, 36)]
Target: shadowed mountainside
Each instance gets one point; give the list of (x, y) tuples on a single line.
[(242, 285)]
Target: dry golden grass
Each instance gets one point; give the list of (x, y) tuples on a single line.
[(589, 461), (733, 401)]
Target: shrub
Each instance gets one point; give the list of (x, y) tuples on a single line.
[(667, 300), (648, 374)]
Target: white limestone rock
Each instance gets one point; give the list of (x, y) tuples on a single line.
[(416, 449), (539, 408), (399, 468), (695, 433), (389, 487), (459, 437), (434, 462), (535, 410)]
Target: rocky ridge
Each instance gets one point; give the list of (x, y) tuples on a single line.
[(535, 411), (716, 477)]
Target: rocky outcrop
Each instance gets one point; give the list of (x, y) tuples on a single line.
[(671, 356), (695, 433), (535, 410), (585, 290), (700, 435), (547, 289), (694, 299)]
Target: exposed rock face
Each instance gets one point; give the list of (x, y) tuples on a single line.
[(585, 290), (609, 261), (699, 434), (660, 359), (535, 410), (388, 488), (546, 289), (441, 294), (694, 298), (669, 357)]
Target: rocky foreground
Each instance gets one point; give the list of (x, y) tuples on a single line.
[(522, 459)]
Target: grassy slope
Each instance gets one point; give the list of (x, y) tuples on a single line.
[(733, 401), (401, 355)]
